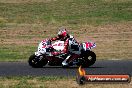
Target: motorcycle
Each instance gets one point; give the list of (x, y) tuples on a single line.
[(43, 55)]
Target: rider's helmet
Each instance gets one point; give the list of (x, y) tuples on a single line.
[(63, 34)]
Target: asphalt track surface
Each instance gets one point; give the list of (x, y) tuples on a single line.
[(100, 67)]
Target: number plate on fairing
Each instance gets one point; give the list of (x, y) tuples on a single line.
[(59, 45)]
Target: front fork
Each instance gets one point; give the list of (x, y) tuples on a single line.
[(37, 53), (39, 56)]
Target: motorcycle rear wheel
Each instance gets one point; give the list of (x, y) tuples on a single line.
[(35, 62)]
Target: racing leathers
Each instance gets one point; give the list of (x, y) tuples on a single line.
[(71, 46)]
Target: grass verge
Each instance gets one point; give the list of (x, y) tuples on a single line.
[(52, 82)]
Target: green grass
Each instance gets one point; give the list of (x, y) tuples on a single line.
[(40, 78), (67, 12), (16, 53), (29, 81)]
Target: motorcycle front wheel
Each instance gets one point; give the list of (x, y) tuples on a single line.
[(88, 59), (37, 61)]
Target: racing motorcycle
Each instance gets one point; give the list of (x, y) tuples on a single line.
[(43, 55)]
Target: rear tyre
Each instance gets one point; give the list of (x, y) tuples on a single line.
[(88, 59), (37, 61)]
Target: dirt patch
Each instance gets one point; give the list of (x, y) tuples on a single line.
[(8, 83), (112, 40)]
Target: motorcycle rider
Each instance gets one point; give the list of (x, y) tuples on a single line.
[(71, 46)]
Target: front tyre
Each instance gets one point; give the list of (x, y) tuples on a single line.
[(37, 61), (88, 59)]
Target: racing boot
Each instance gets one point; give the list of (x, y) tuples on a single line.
[(68, 61), (65, 63)]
